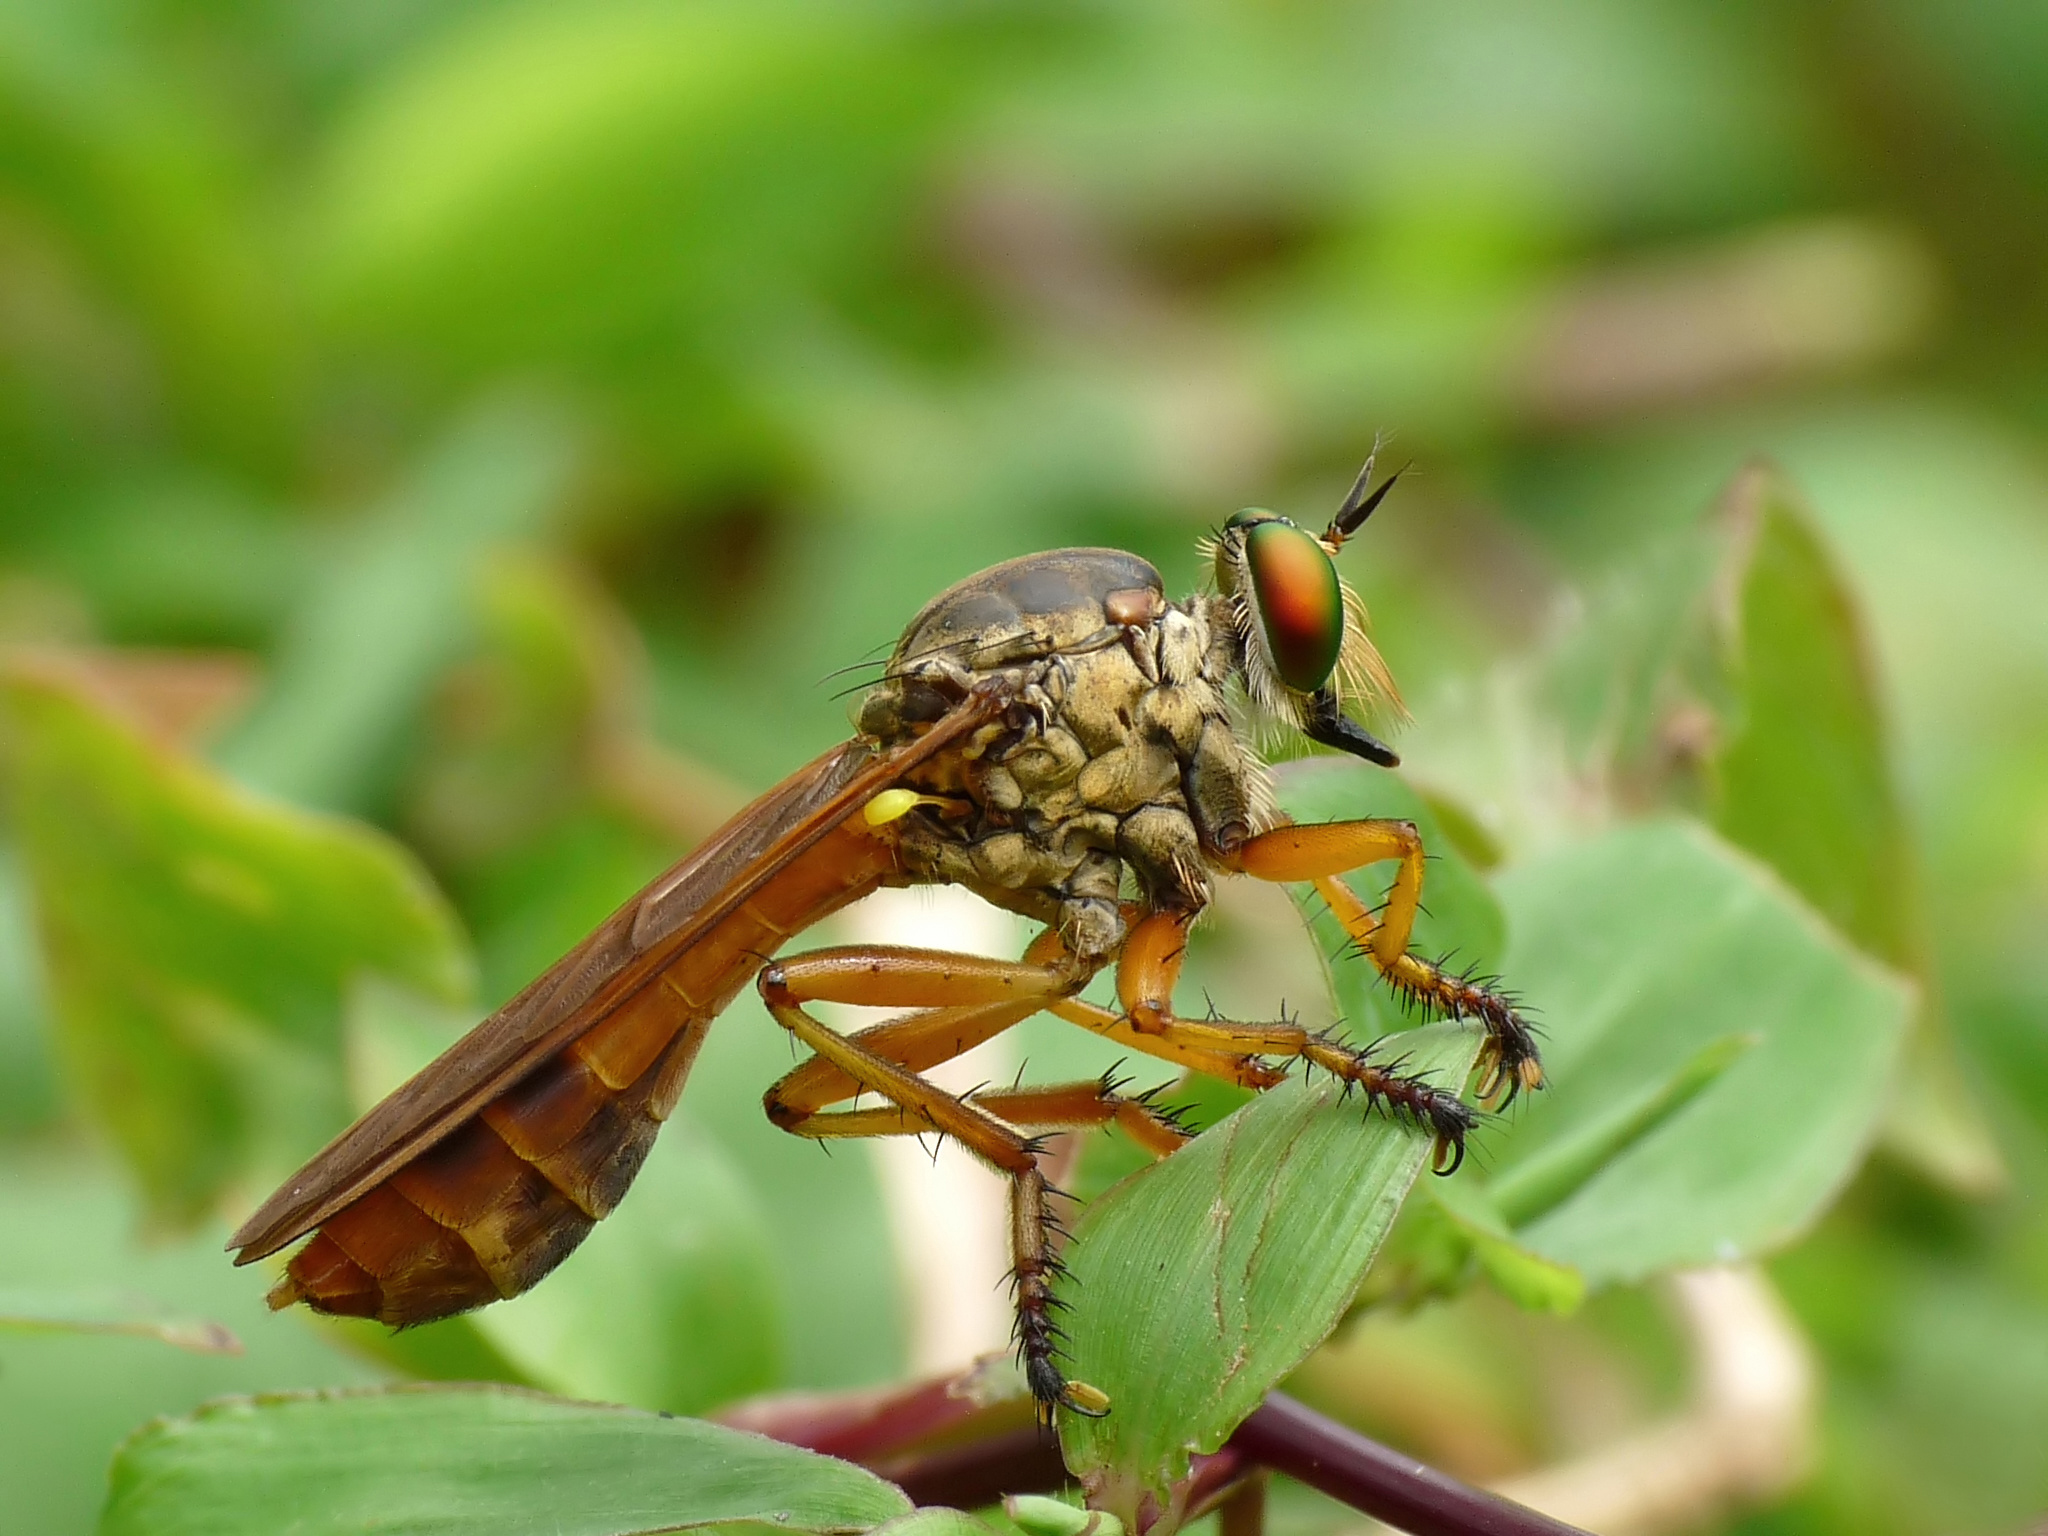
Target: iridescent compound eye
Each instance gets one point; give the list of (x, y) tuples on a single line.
[(1300, 606)]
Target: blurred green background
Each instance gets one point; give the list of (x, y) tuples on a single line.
[(496, 421)]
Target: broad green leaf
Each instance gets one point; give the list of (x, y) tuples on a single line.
[(496, 1461), (1729, 674), (1199, 1283), (198, 941), (1540, 1183), (1525, 1278), (1641, 949), (1805, 782), (111, 1312)]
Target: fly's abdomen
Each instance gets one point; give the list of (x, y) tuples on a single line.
[(493, 1206), (488, 1211)]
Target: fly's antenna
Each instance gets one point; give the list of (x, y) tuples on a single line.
[(1360, 503)]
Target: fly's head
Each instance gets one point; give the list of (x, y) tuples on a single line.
[(1301, 628)]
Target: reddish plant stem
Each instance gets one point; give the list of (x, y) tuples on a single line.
[(980, 1472), (881, 1430), (1242, 1511), (1405, 1493)]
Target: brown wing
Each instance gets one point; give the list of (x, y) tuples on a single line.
[(482, 1172)]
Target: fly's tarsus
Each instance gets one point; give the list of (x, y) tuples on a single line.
[(1424, 1105), (1039, 1339), (1509, 1061)]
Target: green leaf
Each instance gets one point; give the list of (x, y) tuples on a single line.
[(1199, 1283), (111, 1312), (198, 941), (939, 1521), (1540, 1183), (1525, 1278), (671, 1303), (1645, 950), (1805, 782), (357, 661), (496, 1461), (1730, 674), (1039, 1515)]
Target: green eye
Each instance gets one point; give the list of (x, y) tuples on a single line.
[(1246, 518), (1300, 605)]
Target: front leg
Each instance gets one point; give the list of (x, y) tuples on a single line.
[(1145, 979), (1318, 854)]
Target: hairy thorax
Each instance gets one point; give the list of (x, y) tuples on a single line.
[(1118, 772)]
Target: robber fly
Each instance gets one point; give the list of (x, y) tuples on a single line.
[(1051, 733)]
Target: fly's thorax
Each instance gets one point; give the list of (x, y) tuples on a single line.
[(1118, 763), (1008, 619)]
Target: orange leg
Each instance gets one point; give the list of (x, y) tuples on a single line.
[(965, 1000), (961, 1000), (1062, 1106), (1318, 854), (1145, 979)]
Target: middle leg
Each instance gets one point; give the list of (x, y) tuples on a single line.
[(963, 1000), (1146, 976)]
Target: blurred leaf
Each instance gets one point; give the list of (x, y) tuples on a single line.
[(940, 1522), (1638, 947), (111, 1312), (1806, 784), (1524, 1277), (171, 557), (671, 1303), (1730, 673), (123, 167), (1803, 777), (1199, 1283), (484, 1459), (197, 942), (548, 715), (28, 1079), (646, 195), (516, 735), (356, 662)]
